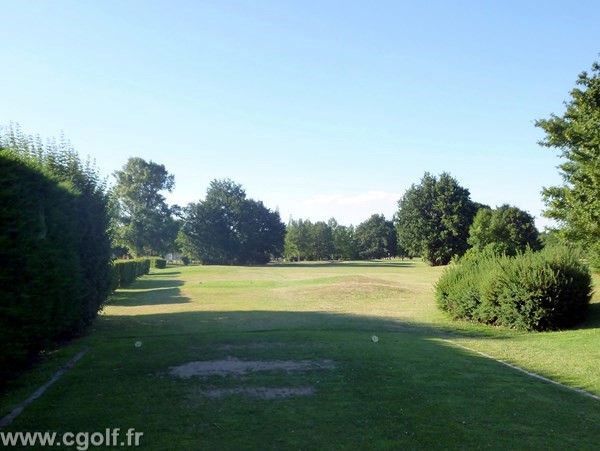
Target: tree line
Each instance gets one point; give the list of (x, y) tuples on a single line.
[(436, 220)]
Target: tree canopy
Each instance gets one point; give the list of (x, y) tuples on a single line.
[(144, 223), (507, 229), (576, 203), (376, 238), (434, 217), (344, 240), (228, 228)]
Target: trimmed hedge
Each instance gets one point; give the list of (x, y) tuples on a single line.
[(545, 290), (126, 271), (158, 262), (54, 252)]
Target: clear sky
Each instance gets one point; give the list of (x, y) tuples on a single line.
[(319, 108)]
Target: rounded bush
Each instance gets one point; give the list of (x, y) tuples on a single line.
[(545, 290)]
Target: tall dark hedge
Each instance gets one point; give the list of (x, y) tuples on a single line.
[(55, 269)]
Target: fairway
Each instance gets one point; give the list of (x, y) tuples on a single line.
[(348, 355)]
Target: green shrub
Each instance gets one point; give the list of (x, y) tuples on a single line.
[(185, 260), (543, 290), (126, 271), (158, 262)]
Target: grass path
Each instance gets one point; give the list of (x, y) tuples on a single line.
[(408, 390)]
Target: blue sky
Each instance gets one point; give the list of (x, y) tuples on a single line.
[(320, 108)]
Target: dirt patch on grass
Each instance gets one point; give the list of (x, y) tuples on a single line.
[(257, 392), (235, 367)]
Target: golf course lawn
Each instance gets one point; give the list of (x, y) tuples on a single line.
[(351, 355)]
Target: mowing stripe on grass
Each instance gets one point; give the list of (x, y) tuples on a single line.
[(8, 419), (537, 376)]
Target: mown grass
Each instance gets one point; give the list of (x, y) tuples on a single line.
[(410, 390)]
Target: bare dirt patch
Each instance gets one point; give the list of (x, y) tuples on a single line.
[(257, 392), (233, 366)]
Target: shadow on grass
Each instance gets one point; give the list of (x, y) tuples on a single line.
[(592, 320), (161, 273), (153, 284), (149, 292), (261, 321)]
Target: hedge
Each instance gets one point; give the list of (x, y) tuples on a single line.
[(54, 253), (545, 290), (126, 271), (158, 262)]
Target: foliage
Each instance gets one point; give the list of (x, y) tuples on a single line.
[(317, 241), (433, 219), (144, 222), (576, 203), (507, 229), (321, 239), (158, 263), (550, 237), (545, 290), (186, 245), (228, 228), (376, 238), (344, 241), (54, 249), (298, 239), (126, 271)]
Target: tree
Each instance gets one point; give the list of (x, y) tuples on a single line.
[(306, 240), (344, 243), (321, 240), (144, 223), (433, 219), (376, 238), (576, 203), (507, 229), (228, 228)]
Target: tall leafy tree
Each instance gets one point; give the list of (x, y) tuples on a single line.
[(228, 228), (376, 238), (507, 229), (298, 239), (344, 242), (434, 217), (144, 224), (321, 240), (576, 134)]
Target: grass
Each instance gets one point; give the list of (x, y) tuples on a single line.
[(410, 390)]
